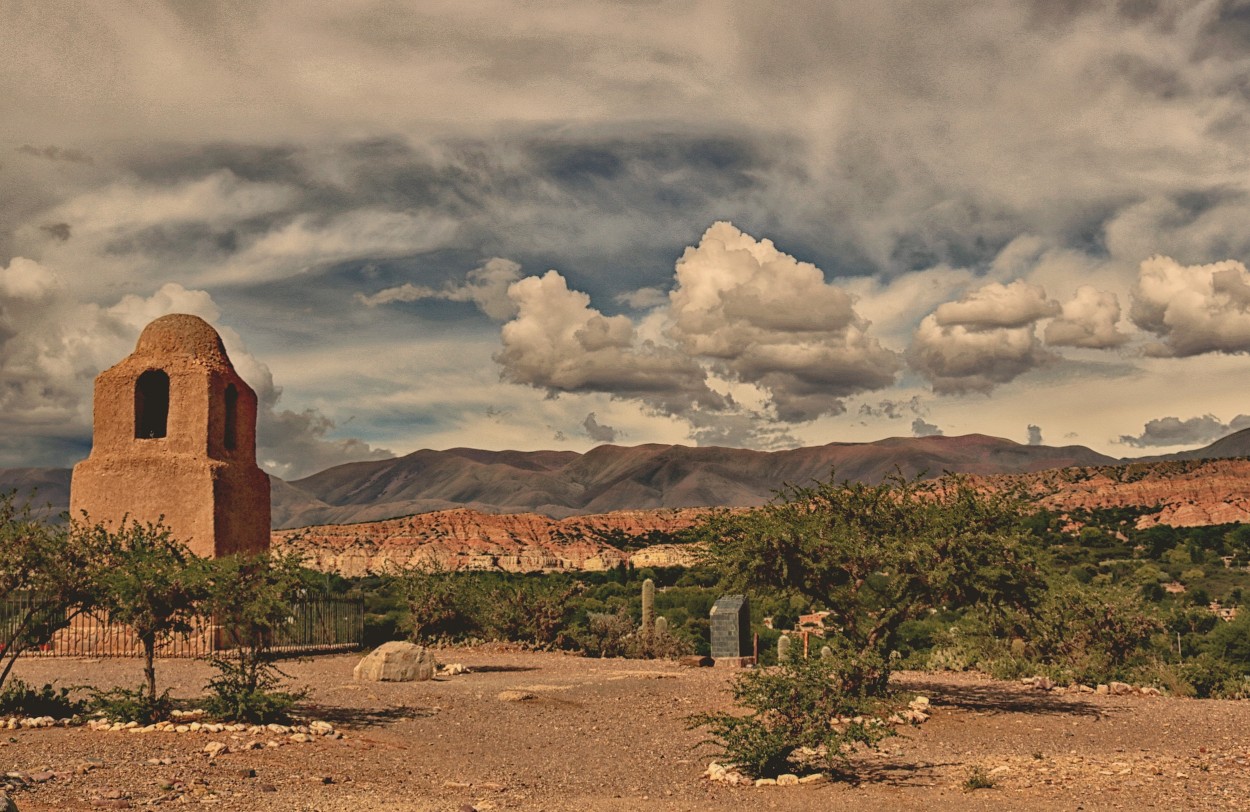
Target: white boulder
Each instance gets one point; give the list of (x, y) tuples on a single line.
[(396, 661)]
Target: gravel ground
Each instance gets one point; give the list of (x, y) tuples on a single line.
[(611, 734)]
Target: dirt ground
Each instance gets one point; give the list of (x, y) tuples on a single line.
[(612, 735)]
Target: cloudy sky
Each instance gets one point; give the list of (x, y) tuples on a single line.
[(558, 224)]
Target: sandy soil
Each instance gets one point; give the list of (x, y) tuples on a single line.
[(612, 735)]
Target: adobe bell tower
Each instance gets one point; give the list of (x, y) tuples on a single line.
[(175, 436)]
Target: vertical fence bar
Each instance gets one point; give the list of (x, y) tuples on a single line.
[(317, 623)]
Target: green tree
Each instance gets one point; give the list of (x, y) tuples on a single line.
[(48, 575), (877, 556), (251, 600), (152, 584)]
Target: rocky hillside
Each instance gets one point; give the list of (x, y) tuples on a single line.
[(1177, 493), (466, 539), (1180, 493)]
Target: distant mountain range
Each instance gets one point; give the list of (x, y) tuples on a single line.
[(610, 477), (606, 478)]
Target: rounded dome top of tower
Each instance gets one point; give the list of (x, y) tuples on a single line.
[(181, 334)]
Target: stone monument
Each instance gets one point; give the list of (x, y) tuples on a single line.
[(175, 437), (730, 620)]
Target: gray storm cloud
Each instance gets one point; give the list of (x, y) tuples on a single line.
[(892, 409), (597, 431), (286, 148), (1170, 431), (922, 428), (486, 287)]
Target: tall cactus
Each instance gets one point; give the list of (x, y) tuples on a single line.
[(648, 606), (783, 648)]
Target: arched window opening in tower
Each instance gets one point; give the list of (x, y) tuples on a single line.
[(151, 404), (232, 416)]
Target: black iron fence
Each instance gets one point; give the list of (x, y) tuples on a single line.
[(315, 624)]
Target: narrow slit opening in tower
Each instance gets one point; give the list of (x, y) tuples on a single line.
[(151, 404), (232, 416)]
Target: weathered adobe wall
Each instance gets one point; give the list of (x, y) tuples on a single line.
[(209, 492)]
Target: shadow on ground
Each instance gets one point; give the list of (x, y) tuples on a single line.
[(1002, 698), (365, 717), (895, 773)]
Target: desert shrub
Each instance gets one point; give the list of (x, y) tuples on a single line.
[(656, 645), (607, 634), (21, 699), (1080, 632), (793, 716), (1206, 676), (379, 628), (977, 779), (238, 695), (442, 604), (251, 598), (531, 611), (1231, 641), (617, 634), (132, 705)]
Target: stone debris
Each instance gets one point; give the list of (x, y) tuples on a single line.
[(31, 722), (298, 733), (728, 774), (213, 749), (453, 670), (1041, 683), (515, 696)]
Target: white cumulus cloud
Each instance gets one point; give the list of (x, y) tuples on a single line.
[(987, 338), (1193, 309), (762, 317), (559, 342), (1088, 320)]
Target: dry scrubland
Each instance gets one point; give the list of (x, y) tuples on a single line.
[(611, 735)]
